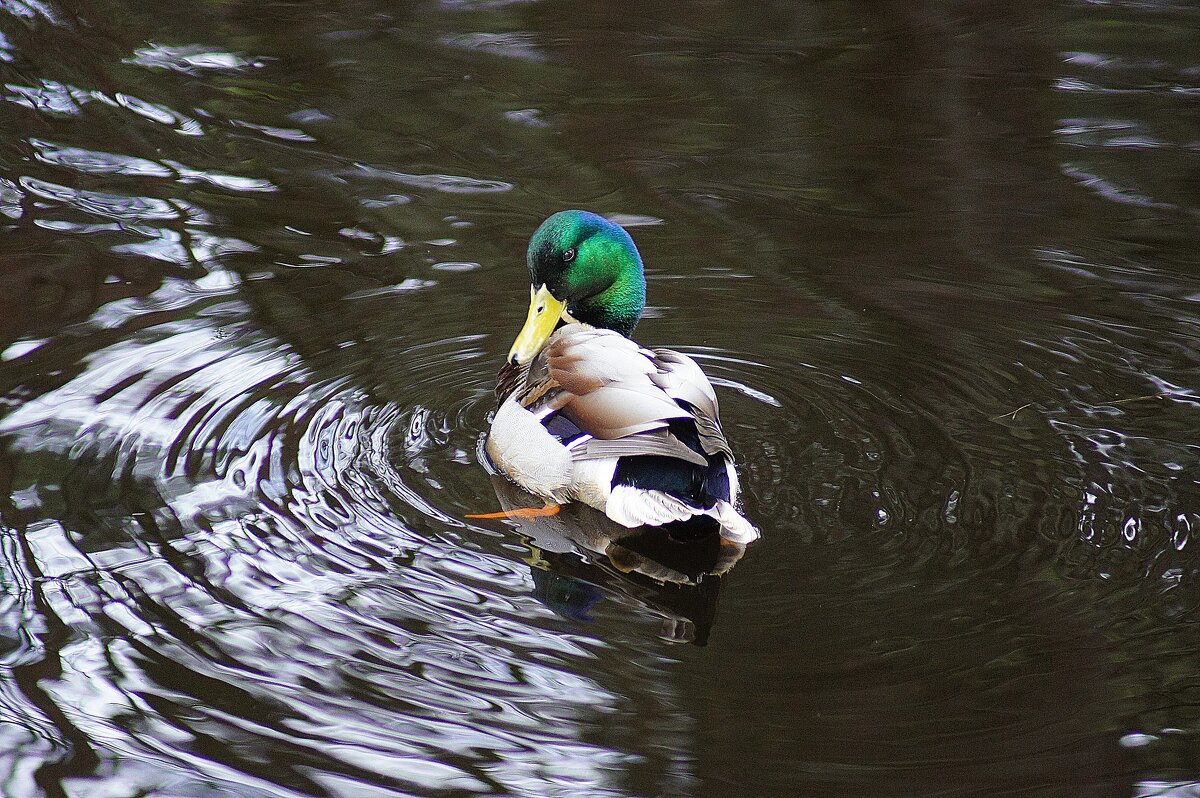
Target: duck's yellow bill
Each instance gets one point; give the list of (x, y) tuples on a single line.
[(544, 313)]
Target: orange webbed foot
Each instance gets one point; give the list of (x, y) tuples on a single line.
[(523, 512)]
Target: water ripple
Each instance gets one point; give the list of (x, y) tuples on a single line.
[(191, 59), (261, 265)]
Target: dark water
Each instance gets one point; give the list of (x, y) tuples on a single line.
[(261, 260)]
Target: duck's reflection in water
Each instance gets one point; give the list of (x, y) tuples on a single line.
[(579, 555)]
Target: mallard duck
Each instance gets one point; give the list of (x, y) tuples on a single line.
[(587, 415)]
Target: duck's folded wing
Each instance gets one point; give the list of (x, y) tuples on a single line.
[(624, 397), (608, 380)]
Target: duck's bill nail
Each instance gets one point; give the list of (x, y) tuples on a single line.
[(544, 313)]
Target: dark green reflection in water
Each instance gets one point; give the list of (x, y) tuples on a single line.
[(261, 260)]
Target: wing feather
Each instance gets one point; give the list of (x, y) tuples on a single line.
[(617, 411), (682, 379), (621, 395), (658, 442)]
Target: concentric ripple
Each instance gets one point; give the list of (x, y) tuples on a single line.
[(262, 549)]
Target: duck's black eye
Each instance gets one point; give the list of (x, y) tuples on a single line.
[(569, 255)]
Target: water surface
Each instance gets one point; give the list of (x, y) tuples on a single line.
[(261, 262)]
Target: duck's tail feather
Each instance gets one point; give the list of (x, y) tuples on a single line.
[(633, 507)]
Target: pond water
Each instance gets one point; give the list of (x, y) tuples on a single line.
[(260, 264)]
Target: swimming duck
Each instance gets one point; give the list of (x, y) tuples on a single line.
[(587, 415)]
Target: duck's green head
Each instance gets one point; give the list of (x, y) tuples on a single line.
[(583, 268)]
